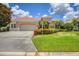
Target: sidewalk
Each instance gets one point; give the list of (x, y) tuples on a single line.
[(39, 53)]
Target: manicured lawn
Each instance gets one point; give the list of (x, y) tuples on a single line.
[(57, 42)]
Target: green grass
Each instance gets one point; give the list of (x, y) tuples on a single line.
[(57, 42)]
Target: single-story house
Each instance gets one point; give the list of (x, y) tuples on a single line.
[(24, 24)]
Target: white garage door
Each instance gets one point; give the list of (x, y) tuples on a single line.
[(27, 28)]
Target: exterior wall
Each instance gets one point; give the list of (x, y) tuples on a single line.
[(14, 27), (23, 24)]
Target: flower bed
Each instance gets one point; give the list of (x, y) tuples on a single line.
[(43, 31), (47, 31)]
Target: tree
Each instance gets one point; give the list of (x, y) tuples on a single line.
[(57, 24), (75, 22), (68, 26), (43, 23), (46, 24), (5, 15)]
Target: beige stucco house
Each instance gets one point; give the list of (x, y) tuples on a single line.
[(24, 24)]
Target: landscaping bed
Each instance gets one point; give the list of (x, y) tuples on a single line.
[(48, 31)]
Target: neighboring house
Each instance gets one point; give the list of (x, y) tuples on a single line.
[(24, 24)]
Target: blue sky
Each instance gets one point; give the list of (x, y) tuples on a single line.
[(63, 11)]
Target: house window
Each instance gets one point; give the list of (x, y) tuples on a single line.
[(11, 25), (14, 25)]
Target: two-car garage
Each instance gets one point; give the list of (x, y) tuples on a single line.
[(27, 28), (24, 24)]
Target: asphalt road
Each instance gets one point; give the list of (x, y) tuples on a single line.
[(16, 41)]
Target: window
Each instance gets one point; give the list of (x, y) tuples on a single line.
[(11, 25), (14, 25)]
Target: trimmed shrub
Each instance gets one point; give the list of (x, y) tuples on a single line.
[(6, 28), (54, 30), (42, 31), (59, 30), (37, 31), (62, 30), (48, 31)]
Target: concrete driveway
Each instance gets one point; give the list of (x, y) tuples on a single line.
[(16, 41)]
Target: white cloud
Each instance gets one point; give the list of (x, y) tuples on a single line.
[(66, 10), (19, 12), (17, 7), (30, 16), (60, 8), (76, 4), (44, 15), (76, 14), (71, 15), (59, 4)]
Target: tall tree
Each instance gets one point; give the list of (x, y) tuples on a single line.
[(75, 22), (5, 14), (68, 26), (5, 17), (43, 23), (57, 24)]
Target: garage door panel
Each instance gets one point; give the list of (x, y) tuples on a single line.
[(27, 28)]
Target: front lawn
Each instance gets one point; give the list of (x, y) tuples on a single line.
[(57, 42)]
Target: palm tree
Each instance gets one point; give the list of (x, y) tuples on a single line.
[(57, 23), (43, 23)]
